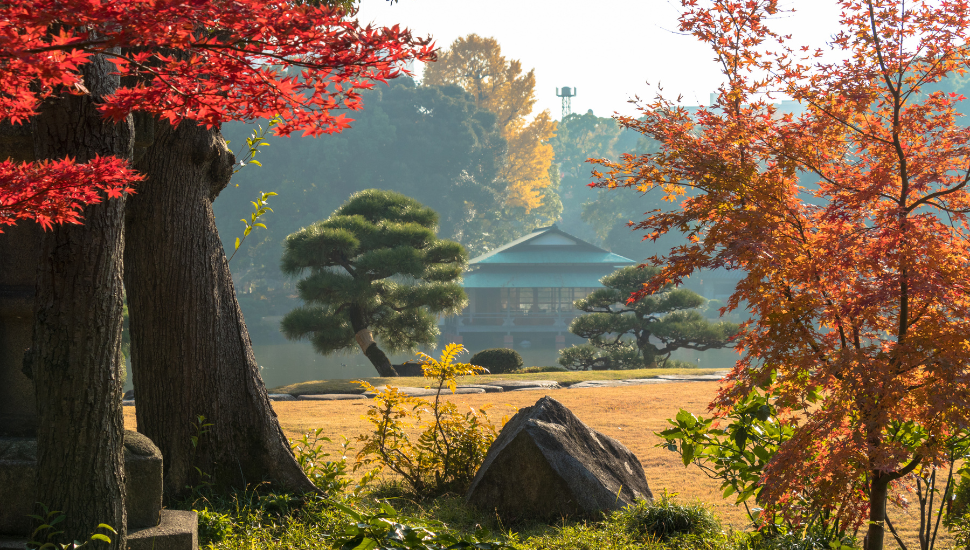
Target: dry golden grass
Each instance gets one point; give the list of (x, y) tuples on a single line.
[(630, 414)]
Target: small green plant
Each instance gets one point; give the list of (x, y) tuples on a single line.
[(259, 209), (380, 530), (498, 360), (812, 538), (735, 449), (49, 531), (329, 475), (451, 446), (960, 529), (214, 526), (664, 519), (256, 140), (204, 487)]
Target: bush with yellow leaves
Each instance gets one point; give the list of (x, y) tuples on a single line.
[(451, 445)]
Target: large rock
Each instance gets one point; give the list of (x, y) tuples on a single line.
[(546, 464)]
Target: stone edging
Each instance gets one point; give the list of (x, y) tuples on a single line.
[(500, 386)]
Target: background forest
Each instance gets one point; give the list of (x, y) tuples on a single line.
[(432, 143), (491, 173)]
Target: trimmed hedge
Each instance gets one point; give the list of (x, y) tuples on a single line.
[(498, 360)]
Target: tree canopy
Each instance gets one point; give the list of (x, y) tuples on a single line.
[(634, 335), (857, 284), (376, 268), (497, 84), (247, 51)]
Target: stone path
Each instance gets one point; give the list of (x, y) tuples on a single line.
[(515, 385)]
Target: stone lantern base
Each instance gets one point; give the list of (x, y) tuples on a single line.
[(149, 527)]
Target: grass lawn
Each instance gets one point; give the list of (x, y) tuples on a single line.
[(564, 378), (629, 414)]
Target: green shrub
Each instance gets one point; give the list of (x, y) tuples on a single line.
[(664, 519), (960, 529), (530, 370), (447, 454), (331, 476), (960, 504), (498, 360), (817, 537)]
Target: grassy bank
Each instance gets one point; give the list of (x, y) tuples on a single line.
[(565, 378)]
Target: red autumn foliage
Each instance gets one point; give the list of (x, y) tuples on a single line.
[(849, 226), (204, 60), (53, 192)]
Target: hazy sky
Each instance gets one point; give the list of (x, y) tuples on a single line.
[(606, 49)]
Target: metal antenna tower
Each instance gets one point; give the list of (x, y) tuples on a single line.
[(567, 95)]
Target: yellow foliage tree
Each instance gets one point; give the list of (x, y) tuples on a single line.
[(529, 157), (497, 84)]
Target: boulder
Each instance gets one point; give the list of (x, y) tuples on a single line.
[(547, 464)]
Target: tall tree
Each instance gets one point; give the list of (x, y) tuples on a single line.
[(636, 335), (77, 324), (497, 84), (375, 267), (857, 283), (225, 61)]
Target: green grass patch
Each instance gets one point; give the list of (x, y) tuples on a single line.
[(264, 520), (565, 378)]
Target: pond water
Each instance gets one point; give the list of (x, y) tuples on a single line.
[(292, 362)]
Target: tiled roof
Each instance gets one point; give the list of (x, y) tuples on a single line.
[(550, 245)]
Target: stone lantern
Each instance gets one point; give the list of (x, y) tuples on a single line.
[(149, 526)]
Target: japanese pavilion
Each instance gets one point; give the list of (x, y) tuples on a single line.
[(523, 293)]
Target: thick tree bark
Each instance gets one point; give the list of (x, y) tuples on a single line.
[(75, 358), (191, 352), (365, 340)]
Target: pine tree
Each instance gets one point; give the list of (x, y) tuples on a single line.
[(622, 335), (375, 267)]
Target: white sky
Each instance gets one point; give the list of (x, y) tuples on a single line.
[(606, 49)]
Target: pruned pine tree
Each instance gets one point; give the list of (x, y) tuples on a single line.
[(375, 269), (635, 335)]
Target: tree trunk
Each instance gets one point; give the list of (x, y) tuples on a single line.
[(191, 352), (365, 340), (878, 494), (75, 358)]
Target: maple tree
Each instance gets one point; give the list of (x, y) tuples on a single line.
[(261, 59), (849, 225), (77, 70), (52, 192), (497, 84)]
